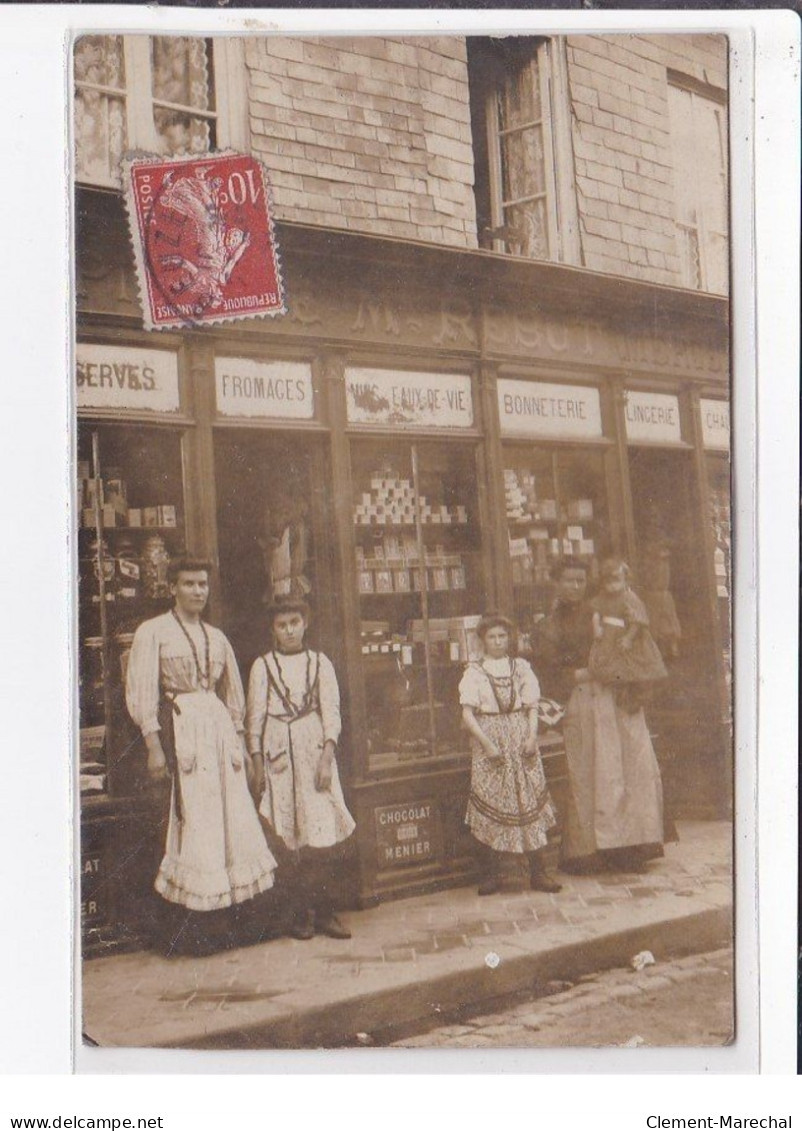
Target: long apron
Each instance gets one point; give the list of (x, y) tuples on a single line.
[(215, 854), (615, 794)]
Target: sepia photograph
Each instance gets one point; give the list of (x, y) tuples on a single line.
[(403, 541)]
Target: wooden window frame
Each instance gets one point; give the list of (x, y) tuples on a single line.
[(229, 116), (697, 91), (562, 225)]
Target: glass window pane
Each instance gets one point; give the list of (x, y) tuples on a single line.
[(100, 126), (519, 98), (556, 508), (182, 75), (413, 650), (100, 136), (531, 229), (99, 60), (522, 163), (182, 72), (181, 134)]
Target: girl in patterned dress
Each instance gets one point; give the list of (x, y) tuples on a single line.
[(293, 726), (183, 690), (509, 808)]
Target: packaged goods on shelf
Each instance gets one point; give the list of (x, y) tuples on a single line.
[(366, 581), (568, 548), (384, 581), (587, 547), (462, 632), (134, 516), (575, 533), (402, 581), (88, 516), (580, 510), (91, 740), (440, 579), (548, 510), (150, 516), (90, 492), (438, 630), (457, 575), (110, 515), (167, 516), (115, 495)]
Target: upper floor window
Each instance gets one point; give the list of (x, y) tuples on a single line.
[(698, 116), (517, 102), (161, 94)]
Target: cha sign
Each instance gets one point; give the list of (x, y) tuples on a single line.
[(652, 418), (266, 389), (124, 377), (552, 412), (715, 424), (408, 400)]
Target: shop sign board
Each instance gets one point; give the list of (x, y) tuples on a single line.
[(94, 883), (536, 410), (652, 417), (715, 424), (408, 833), (125, 377), (266, 389), (408, 400)]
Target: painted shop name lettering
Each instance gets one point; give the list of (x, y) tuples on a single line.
[(650, 414), (412, 398), (404, 816), (123, 375), (407, 851), (263, 388), (563, 408)]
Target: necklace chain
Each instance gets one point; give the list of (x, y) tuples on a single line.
[(284, 690), (204, 679)]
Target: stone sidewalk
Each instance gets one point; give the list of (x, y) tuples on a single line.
[(413, 960)]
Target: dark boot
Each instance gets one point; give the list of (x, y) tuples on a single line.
[(491, 871), (540, 878)]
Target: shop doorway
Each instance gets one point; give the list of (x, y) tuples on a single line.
[(274, 537), (670, 576)]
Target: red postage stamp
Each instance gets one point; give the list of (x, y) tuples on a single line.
[(203, 238)]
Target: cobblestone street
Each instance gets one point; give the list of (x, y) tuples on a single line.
[(685, 1002)]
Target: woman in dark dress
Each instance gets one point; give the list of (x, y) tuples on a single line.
[(614, 812)]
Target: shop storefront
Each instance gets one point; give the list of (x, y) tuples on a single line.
[(419, 439)]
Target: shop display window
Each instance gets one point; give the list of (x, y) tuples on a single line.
[(718, 477), (130, 507), (555, 508), (421, 592), (272, 496)]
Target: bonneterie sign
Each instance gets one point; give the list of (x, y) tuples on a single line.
[(535, 410)]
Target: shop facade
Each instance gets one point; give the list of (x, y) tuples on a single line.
[(418, 440)]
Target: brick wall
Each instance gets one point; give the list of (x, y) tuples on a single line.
[(622, 146), (368, 134)]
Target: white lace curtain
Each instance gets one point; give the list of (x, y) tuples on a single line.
[(523, 176), (181, 83)]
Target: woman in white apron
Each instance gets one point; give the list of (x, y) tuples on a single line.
[(184, 692)]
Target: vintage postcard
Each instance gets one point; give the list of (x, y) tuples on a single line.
[(403, 522)]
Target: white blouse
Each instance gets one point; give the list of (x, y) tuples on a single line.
[(161, 660), (476, 690), (262, 698)]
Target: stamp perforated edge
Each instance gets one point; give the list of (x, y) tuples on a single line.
[(137, 158)]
